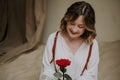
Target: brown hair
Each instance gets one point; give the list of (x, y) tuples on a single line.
[(74, 11)]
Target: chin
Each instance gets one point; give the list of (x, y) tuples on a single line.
[(74, 36)]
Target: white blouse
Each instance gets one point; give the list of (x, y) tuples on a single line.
[(78, 59)]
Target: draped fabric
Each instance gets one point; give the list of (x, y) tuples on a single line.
[(21, 24)]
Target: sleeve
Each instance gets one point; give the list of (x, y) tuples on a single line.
[(92, 71), (48, 69)]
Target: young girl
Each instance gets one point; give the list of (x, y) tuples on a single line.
[(75, 41)]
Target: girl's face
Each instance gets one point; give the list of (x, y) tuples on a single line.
[(76, 28)]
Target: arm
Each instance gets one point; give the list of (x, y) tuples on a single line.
[(48, 69), (92, 71)]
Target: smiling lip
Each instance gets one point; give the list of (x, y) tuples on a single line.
[(73, 32)]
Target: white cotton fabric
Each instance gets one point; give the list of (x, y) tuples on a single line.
[(78, 59)]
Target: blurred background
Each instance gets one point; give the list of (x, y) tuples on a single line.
[(26, 24)]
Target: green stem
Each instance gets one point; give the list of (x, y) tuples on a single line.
[(63, 75)]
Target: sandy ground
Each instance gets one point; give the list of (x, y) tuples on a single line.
[(26, 67)]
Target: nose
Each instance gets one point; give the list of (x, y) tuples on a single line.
[(74, 29)]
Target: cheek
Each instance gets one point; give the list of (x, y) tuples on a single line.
[(68, 27), (82, 31)]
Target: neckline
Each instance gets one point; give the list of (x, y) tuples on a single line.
[(67, 46)]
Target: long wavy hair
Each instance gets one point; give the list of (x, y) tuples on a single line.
[(74, 11)]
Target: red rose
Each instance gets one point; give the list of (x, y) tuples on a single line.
[(63, 62)]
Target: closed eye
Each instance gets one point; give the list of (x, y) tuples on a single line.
[(72, 23), (81, 26)]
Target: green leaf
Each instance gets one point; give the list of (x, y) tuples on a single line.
[(58, 75), (67, 77)]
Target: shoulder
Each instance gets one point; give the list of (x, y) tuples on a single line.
[(95, 46), (95, 42), (95, 53), (52, 36)]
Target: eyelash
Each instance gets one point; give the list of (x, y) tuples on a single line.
[(72, 23), (80, 26)]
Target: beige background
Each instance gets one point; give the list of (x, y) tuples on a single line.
[(107, 18)]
